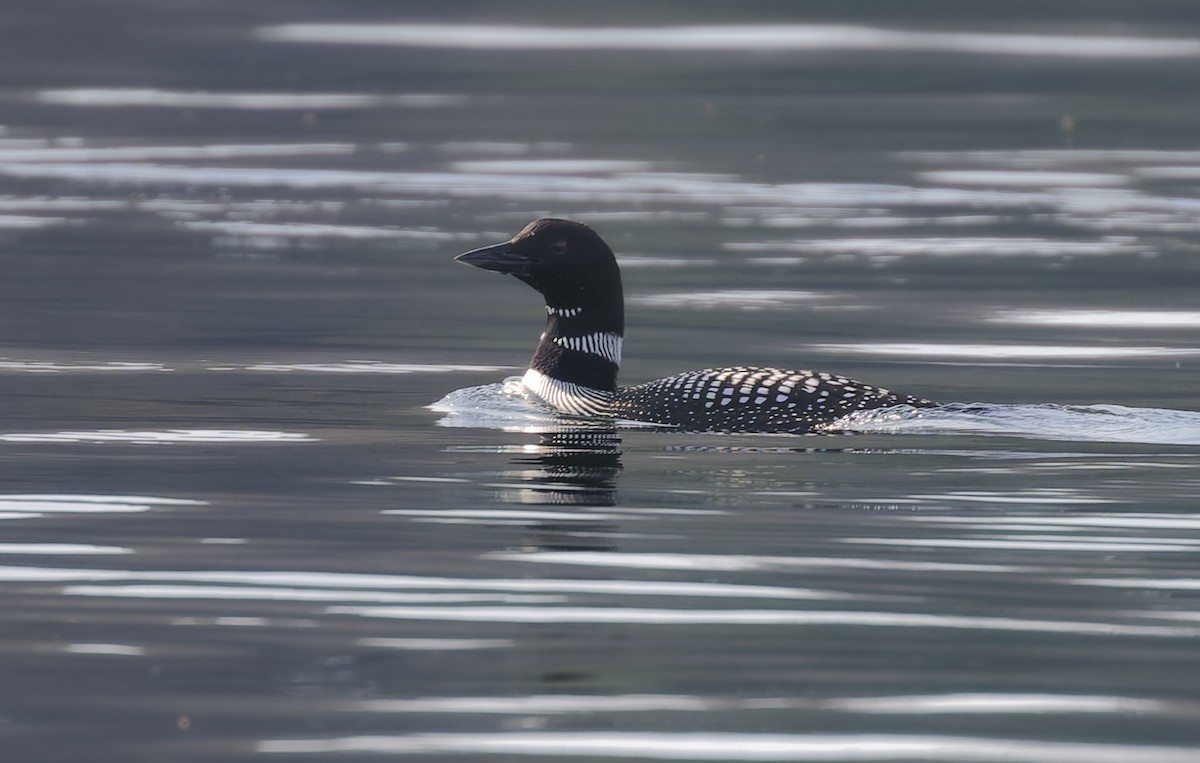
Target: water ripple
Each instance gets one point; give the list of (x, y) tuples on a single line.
[(577, 615), (159, 437), (184, 99), (1107, 319), (736, 746), (1090, 423), (745, 37), (999, 352)]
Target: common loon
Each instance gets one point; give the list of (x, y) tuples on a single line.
[(574, 368)]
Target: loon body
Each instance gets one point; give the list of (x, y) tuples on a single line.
[(574, 368)]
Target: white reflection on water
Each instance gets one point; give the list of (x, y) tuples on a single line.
[(1132, 319), (755, 617), (552, 704), (751, 38), (121, 650), (1040, 158), (28, 222), (912, 704), (61, 549), (737, 299), (265, 593), (55, 367), (1073, 532), (942, 246), (1171, 173), (638, 261), (1005, 351), (184, 99), (1167, 584), (968, 703), (1127, 521), (1038, 496), (1106, 210), (742, 562), (58, 204), (518, 516), (315, 230), (51, 503), (437, 644), (1036, 178), (164, 437), (735, 746), (1083, 423), (271, 583), (149, 153), (551, 166), (372, 367), (1040, 543), (499, 147)]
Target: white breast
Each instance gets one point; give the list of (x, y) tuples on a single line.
[(567, 397)]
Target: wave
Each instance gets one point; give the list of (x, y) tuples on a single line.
[(1044, 421), (505, 406)]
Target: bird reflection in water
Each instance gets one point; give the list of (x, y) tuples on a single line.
[(569, 467)]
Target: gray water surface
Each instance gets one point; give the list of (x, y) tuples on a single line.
[(236, 530)]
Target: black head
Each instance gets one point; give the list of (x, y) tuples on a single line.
[(566, 261)]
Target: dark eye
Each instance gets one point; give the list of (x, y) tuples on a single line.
[(559, 247)]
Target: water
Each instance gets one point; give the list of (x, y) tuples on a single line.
[(235, 529)]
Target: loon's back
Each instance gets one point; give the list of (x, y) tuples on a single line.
[(751, 399), (574, 368)]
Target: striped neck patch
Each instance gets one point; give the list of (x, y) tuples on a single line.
[(564, 312), (605, 344)]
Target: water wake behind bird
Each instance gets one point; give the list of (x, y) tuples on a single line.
[(505, 406), (1044, 421)]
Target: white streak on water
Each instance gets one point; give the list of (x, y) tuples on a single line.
[(1124, 520), (372, 367), (1043, 157), (1005, 351), (436, 644), (301, 580), (718, 746), (183, 99), (552, 166), (178, 153), (53, 367), (61, 549), (120, 650), (1132, 319), (756, 617), (1035, 497), (912, 704), (743, 562), (1025, 178), (162, 437), (942, 246), (314, 230), (972, 703), (1033, 543), (740, 299), (732, 38), (1092, 423), (484, 515), (53, 503), (262, 593), (28, 222), (1160, 584)]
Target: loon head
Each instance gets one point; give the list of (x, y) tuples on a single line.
[(577, 274), (568, 263)]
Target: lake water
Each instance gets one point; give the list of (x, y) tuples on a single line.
[(235, 530)]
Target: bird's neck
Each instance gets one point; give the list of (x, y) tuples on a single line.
[(575, 365)]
